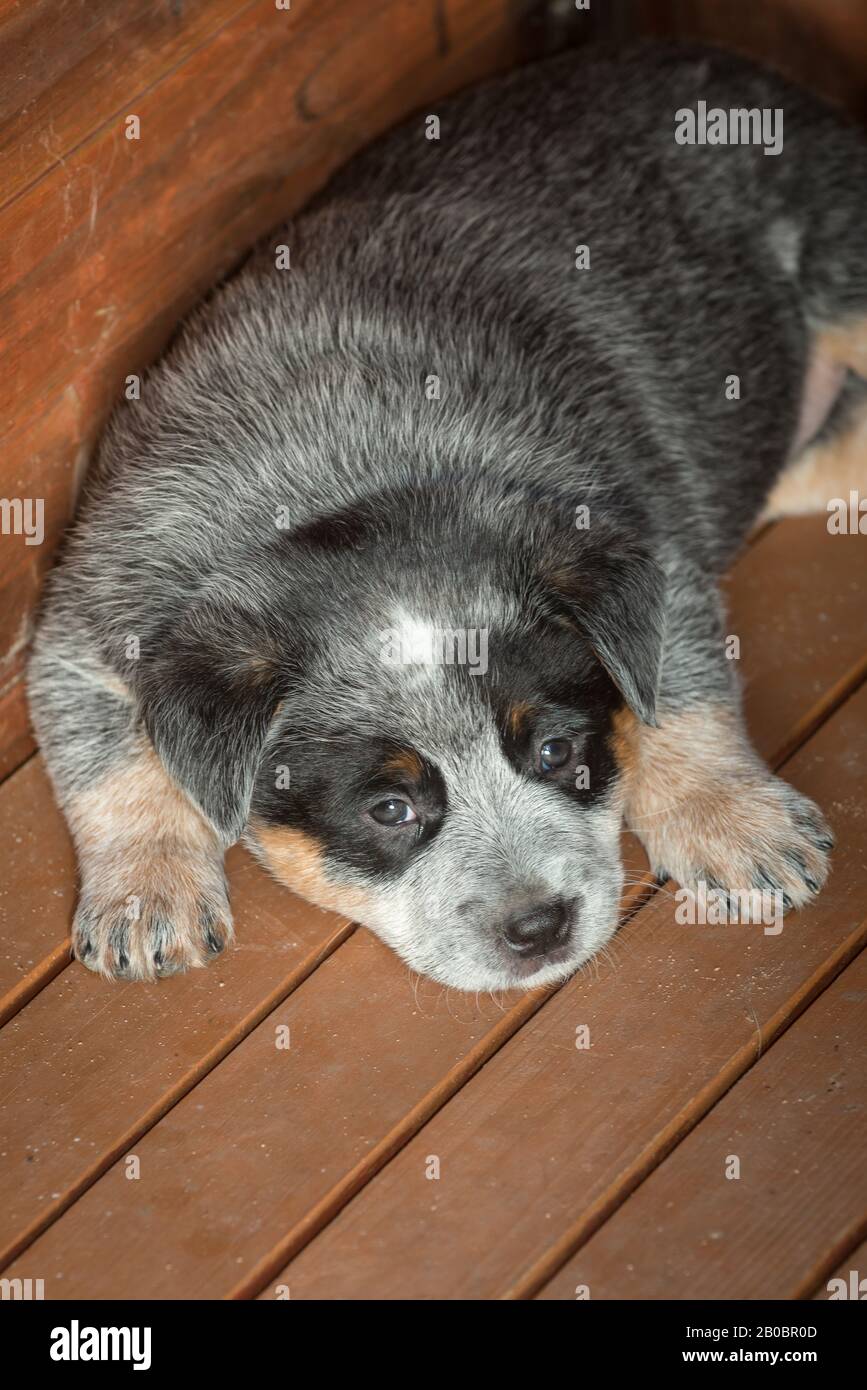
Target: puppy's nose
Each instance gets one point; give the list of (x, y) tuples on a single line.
[(540, 928)]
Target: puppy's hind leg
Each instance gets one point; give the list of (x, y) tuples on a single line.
[(832, 466), (824, 251), (153, 895)]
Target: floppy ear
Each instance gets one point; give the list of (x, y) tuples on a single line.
[(614, 591), (208, 692)]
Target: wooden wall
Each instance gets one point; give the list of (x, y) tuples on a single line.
[(244, 109)]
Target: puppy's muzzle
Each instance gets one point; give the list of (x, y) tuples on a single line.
[(541, 928)]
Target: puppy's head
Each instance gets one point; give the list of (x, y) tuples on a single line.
[(414, 716)]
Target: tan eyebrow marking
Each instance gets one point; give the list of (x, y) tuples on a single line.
[(259, 668), (405, 763), (518, 717)]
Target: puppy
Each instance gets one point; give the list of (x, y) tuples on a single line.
[(404, 566)]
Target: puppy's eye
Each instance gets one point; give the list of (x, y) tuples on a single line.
[(554, 753), (392, 811)]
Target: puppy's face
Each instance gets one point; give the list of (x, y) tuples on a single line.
[(419, 730), (471, 820)]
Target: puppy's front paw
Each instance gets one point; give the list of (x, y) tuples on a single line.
[(143, 918), (759, 835)]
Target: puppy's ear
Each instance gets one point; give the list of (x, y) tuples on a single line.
[(614, 592), (208, 688)]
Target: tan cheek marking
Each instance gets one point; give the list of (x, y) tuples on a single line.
[(830, 469), (296, 859), (846, 343), (623, 740)]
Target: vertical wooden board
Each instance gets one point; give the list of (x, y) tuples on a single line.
[(89, 1064), (539, 1148), (752, 1201)]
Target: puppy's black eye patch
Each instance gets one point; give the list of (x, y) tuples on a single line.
[(369, 802)]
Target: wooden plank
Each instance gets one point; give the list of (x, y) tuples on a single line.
[(353, 1098), (537, 1150), (89, 1064), (797, 1127), (109, 247), (267, 1135), (16, 737)]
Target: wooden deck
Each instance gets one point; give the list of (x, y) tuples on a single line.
[(306, 1171)]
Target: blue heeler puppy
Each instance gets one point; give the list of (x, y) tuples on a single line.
[(533, 381)]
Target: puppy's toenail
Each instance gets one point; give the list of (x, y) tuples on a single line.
[(213, 942)]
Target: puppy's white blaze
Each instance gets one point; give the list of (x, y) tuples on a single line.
[(414, 646), (417, 639)]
